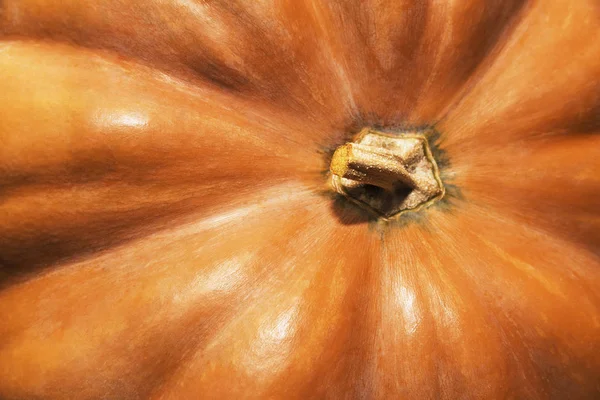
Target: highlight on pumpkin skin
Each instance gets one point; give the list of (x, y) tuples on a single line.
[(207, 268), (163, 191)]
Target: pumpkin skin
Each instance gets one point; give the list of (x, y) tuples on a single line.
[(167, 233)]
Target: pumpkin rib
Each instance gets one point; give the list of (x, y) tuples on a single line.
[(480, 70), (23, 19), (531, 106), (582, 263), (403, 321), (189, 296), (430, 332), (521, 386), (45, 23), (217, 34), (272, 196), (576, 310), (396, 86), (495, 40), (169, 231), (457, 332), (203, 93), (550, 183), (107, 165), (253, 298), (296, 288)]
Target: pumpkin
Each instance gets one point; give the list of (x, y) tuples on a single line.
[(299, 199)]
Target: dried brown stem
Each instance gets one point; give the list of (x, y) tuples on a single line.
[(370, 165), (400, 165)]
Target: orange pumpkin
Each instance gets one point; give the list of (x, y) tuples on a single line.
[(172, 225)]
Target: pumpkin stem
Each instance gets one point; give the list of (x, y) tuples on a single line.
[(386, 173), (370, 165)]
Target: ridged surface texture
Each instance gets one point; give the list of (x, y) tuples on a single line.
[(167, 232)]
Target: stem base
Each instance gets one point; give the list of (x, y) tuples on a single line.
[(387, 173)]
